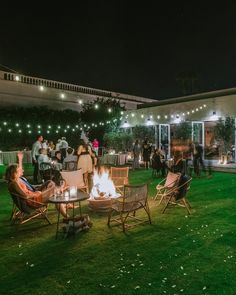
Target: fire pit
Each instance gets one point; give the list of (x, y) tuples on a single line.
[(102, 193)]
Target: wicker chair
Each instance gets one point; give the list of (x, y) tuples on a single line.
[(133, 199), (46, 171), (71, 165), (167, 186), (120, 177), (75, 178), (22, 212), (178, 196)]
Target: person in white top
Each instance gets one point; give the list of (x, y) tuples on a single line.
[(58, 145), (70, 157), (45, 144), (43, 157)]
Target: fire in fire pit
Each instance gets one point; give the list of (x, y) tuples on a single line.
[(103, 191)]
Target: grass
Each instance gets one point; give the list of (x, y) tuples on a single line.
[(177, 254)]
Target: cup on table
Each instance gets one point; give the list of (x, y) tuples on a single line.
[(73, 191), (66, 196)]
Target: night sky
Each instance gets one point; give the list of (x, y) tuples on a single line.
[(123, 46)]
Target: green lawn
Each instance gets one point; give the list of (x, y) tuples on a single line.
[(177, 254)]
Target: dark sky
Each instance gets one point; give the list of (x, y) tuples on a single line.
[(124, 46)]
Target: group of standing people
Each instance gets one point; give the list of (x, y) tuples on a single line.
[(85, 156), (145, 150), (156, 159)]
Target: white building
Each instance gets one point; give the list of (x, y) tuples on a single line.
[(21, 90), (201, 110)]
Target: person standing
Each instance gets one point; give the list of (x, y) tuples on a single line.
[(146, 153), (63, 147), (136, 153), (85, 160), (158, 163), (35, 154), (95, 145), (197, 159)]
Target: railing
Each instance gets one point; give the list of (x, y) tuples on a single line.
[(71, 87), (54, 84)]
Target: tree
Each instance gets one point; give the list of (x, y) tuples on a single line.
[(20, 125), (142, 132), (120, 141), (225, 132), (183, 131), (102, 116)]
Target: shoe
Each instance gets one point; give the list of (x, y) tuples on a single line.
[(70, 206), (76, 218)]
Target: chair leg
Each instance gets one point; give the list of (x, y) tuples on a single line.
[(167, 204), (186, 205), (147, 209), (122, 222), (161, 200), (109, 217), (44, 214)]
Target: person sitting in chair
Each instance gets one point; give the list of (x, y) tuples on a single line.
[(178, 166), (48, 168), (20, 185), (70, 158)]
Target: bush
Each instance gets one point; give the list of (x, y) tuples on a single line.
[(120, 141)]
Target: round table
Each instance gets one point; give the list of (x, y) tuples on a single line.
[(62, 199)]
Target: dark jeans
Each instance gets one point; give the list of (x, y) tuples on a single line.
[(196, 165), (36, 172), (63, 154)]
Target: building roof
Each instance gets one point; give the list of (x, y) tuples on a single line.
[(5, 68), (187, 98)]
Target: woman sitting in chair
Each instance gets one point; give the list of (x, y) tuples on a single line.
[(178, 166), (20, 186)]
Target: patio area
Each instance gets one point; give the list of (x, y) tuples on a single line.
[(177, 254)]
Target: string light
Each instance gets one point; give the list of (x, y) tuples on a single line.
[(165, 116)]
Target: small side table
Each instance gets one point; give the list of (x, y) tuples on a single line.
[(61, 199)]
